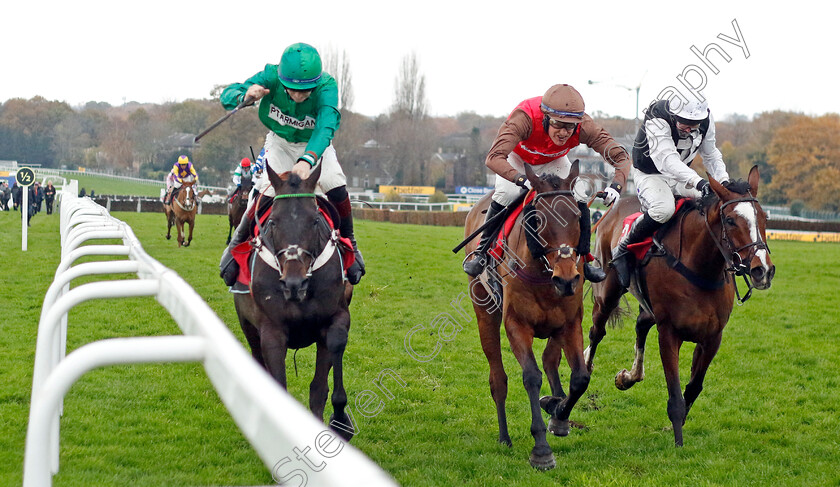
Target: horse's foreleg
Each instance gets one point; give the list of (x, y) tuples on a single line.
[(230, 231), (319, 388), (274, 344), (703, 354), (488, 331), (192, 225), (578, 381), (625, 380), (551, 363), (606, 301), (179, 228), (336, 343), (669, 351), (521, 339)]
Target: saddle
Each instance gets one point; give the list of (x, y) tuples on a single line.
[(652, 247), (640, 249), (497, 251), (245, 255)]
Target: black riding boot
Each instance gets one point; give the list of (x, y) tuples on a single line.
[(341, 199), (622, 260), (590, 272), (476, 266), (228, 268)]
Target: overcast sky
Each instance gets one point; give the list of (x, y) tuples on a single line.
[(482, 56)]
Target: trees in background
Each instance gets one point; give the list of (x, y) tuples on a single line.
[(806, 157), (798, 156)]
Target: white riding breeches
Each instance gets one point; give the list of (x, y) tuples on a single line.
[(656, 194)]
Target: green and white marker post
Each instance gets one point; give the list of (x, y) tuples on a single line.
[(25, 177)]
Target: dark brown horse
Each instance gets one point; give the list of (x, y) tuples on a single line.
[(542, 297), (239, 202), (688, 287), (299, 295), (182, 211)]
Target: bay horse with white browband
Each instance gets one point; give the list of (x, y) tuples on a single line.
[(542, 297), (687, 285), (181, 212), (298, 293)]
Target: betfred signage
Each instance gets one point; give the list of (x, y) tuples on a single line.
[(472, 190)]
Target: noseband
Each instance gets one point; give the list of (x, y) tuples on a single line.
[(565, 251), (293, 252), (735, 264)]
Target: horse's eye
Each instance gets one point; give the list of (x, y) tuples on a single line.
[(729, 221)]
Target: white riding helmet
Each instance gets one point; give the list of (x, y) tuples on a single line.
[(691, 112)]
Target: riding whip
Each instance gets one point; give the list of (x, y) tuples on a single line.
[(245, 102)]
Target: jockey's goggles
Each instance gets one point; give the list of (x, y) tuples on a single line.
[(569, 126)]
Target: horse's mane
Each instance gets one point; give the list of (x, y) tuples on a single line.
[(737, 186), (554, 180)]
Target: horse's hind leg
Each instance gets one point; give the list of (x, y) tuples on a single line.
[(489, 326), (336, 343), (521, 339), (551, 363), (319, 388), (169, 223), (704, 352), (669, 350), (625, 380), (578, 382)]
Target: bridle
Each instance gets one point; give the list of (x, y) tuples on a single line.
[(735, 264), (189, 206), (565, 251), (293, 252)]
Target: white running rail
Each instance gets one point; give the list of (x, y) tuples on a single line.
[(271, 419)]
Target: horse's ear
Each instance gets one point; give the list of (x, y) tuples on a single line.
[(716, 186), (275, 180), (314, 175), (529, 173), (574, 171), (753, 179)]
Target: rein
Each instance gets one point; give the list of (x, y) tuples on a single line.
[(266, 251), (189, 207), (538, 252), (731, 255)]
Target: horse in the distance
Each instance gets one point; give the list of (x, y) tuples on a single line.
[(239, 202), (182, 211), (542, 297), (298, 293), (686, 284)]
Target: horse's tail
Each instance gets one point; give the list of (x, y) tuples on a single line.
[(619, 313)]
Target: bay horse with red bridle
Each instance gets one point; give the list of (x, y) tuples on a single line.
[(686, 285), (298, 294), (542, 297)]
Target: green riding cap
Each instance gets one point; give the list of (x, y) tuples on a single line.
[(300, 67)]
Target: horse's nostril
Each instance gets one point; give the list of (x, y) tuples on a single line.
[(757, 273)]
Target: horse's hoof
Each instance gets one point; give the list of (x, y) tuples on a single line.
[(168, 237), (621, 381), (506, 441), (542, 462), (344, 429), (549, 404), (558, 427)]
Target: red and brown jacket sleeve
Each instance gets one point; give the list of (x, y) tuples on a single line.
[(514, 130), (599, 140)]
